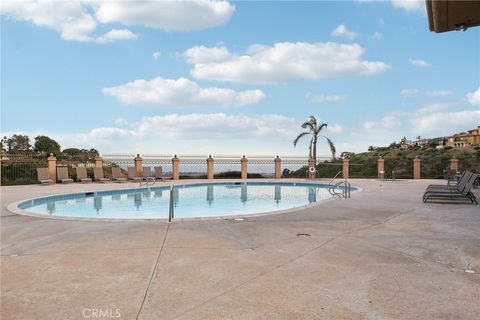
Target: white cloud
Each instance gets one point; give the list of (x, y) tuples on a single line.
[(156, 55), (474, 97), (181, 92), (69, 18), (381, 23), (282, 62), (386, 122), (410, 5), (202, 54), (431, 108), (439, 93), (175, 133), (336, 128), (342, 31), (419, 63), (320, 98), (445, 122), (167, 15), (77, 20), (116, 34), (409, 92), (377, 36)]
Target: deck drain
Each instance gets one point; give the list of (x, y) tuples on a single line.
[(303, 235), (469, 271), (238, 219)]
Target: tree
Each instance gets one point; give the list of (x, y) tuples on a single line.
[(46, 145), (16, 143), (371, 148), (314, 130)]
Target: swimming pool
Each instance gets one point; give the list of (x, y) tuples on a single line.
[(189, 200)]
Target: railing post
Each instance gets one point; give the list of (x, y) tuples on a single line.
[(52, 167), (138, 161), (98, 161), (278, 167), (416, 168), (311, 164), (381, 168), (454, 164), (175, 168), (243, 162), (346, 168), (210, 170)]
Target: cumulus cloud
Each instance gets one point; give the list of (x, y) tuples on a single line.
[(202, 54), (474, 97), (320, 98), (437, 122), (342, 31), (409, 92), (336, 128), (410, 5), (167, 15), (115, 35), (439, 93), (386, 122), (175, 133), (181, 92), (156, 55), (419, 63), (282, 62), (77, 20)]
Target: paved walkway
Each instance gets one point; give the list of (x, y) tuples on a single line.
[(382, 254)]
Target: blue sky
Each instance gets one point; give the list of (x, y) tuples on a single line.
[(232, 77)]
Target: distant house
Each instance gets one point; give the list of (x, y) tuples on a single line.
[(464, 139), (422, 142)]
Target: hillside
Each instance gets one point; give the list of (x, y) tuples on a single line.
[(433, 162)]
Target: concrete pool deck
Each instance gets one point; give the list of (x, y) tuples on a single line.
[(383, 254)]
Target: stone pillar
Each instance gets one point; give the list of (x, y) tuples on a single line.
[(454, 165), (243, 162), (52, 167), (210, 170), (98, 161), (416, 168), (311, 164), (138, 161), (381, 168), (346, 168), (278, 167), (175, 168)]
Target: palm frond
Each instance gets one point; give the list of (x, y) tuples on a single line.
[(299, 137), (333, 149), (320, 128)]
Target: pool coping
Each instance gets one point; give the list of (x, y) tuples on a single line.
[(13, 207)]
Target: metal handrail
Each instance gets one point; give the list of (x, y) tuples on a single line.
[(335, 177), (171, 205), (345, 192)]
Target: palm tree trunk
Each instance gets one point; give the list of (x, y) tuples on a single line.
[(315, 148)]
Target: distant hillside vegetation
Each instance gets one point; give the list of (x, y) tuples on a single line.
[(433, 162)]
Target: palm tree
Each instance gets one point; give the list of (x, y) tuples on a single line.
[(314, 130)]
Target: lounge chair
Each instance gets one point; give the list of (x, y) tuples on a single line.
[(82, 175), (158, 173), (117, 175), (98, 175), (62, 175), (147, 173), (43, 176), (450, 194), (464, 177), (132, 174)]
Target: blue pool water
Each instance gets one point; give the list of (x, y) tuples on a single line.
[(197, 200)]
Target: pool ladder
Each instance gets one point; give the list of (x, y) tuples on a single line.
[(343, 193)]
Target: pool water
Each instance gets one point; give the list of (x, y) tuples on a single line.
[(196, 200)]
